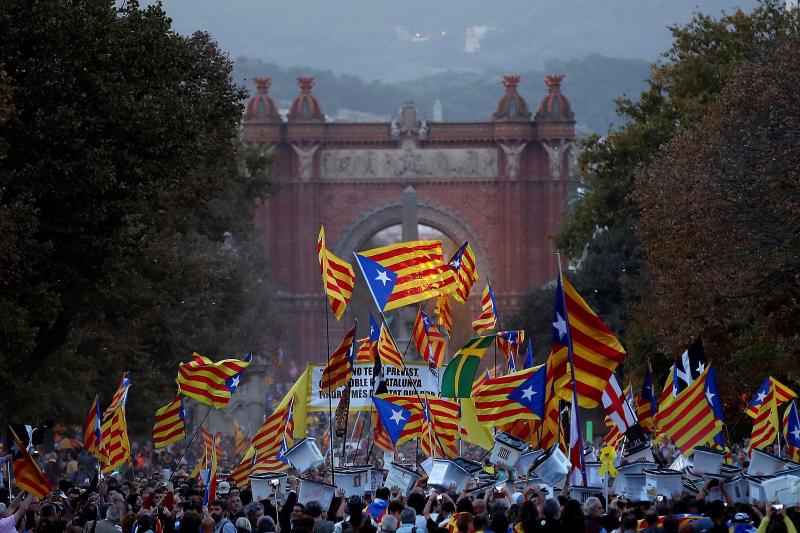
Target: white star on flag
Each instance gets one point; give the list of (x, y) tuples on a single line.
[(761, 396), (235, 381), (382, 277), (528, 393), (701, 367), (710, 396), (560, 325), (456, 263), (796, 433), (397, 417)]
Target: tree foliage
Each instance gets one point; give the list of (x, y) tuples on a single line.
[(127, 203), (600, 227), (721, 223)]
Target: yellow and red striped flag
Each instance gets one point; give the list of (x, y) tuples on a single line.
[(241, 474), (115, 438), (429, 342), (241, 440), (387, 349), (210, 441), (268, 440), (120, 396), (338, 277), (339, 368), (614, 435), (596, 352), (466, 271), (551, 423), (382, 438), (93, 433), (406, 273), (689, 419), (28, 476), (211, 383), (444, 314), (368, 346), (487, 320), (202, 464), (782, 394), (765, 426), (791, 432), (516, 396), (170, 424)]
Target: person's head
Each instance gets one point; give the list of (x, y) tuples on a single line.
[(234, 503), (112, 514), (416, 501), (355, 507), (408, 516), (389, 523), (190, 522), (464, 522), (242, 524), (479, 522), (671, 524), (304, 522), (630, 523), (651, 517), (297, 512), (551, 508), (447, 508), (478, 507), (593, 507), (253, 512), (218, 509), (499, 522), (383, 493), (145, 522), (224, 488), (395, 508), (266, 524), (314, 509)]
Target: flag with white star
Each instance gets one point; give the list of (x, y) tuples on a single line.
[(466, 271), (516, 396), (211, 383), (782, 395), (405, 273), (791, 432), (394, 417)]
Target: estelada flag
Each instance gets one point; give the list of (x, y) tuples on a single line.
[(339, 368), (28, 475), (211, 383), (429, 342), (170, 424), (338, 277)]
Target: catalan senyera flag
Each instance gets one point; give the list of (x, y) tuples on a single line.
[(466, 271), (28, 476), (210, 441), (202, 464), (668, 392), (432, 442), (387, 349), (689, 419), (406, 273), (120, 396), (444, 314), (210, 492), (551, 424), (338, 277), (241, 440), (382, 438), (782, 395), (596, 352), (429, 342), (647, 407), (93, 433), (516, 396), (368, 346), (765, 426), (278, 431), (459, 375), (339, 368), (170, 423), (241, 474), (115, 438), (487, 320), (614, 435), (211, 383), (791, 431)]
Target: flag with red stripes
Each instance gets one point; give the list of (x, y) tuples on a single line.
[(782, 394), (210, 441), (614, 435), (429, 342), (211, 383), (268, 440), (241, 474), (444, 314), (170, 426), (616, 405), (27, 474), (338, 277), (93, 433), (387, 349), (466, 271), (791, 432), (120, 396), (765, 426), (339, 368), (115, 438), (487, 320)]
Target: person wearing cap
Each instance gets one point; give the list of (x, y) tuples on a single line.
[(741, 523), (223, 488)]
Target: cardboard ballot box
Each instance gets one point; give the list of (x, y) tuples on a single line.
[(401, 477), (552, 466), (311, 489), (445, 473), (266, 485)]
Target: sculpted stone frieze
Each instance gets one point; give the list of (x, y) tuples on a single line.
[(409, 162)]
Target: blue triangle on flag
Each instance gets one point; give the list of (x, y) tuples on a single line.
[(530, 393), (380, 280), (394, 417)]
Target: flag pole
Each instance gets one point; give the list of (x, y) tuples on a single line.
[(330, 397), (571, 363), (186, 448)]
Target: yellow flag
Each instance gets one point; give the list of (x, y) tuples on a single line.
[(300, 393), (471, 430)]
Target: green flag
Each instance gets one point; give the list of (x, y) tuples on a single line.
[(460, 373)]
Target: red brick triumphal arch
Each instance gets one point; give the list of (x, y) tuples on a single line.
[(501, 184)]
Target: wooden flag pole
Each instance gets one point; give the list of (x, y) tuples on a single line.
[(186, 448), (330, 398)]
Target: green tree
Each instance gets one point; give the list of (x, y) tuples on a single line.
[(128, 201), (599, 230)]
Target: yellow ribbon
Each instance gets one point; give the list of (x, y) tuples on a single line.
[(607, 457)]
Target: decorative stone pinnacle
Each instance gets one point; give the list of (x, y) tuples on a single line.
[(262, 85), (510, 81), (553, 82), (306, 83)]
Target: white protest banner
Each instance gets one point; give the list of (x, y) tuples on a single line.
[(397, 382)]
